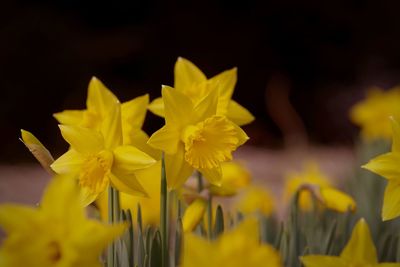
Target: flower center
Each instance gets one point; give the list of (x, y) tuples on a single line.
[(209, 142), (94, 171)]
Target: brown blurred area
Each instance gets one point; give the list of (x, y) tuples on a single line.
[(302, 64)]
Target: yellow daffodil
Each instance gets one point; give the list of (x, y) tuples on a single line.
[(194, 137), (192, 82), (38, 150), (236, 248), (254, 200), (57, 233), (387, 165), (150, 206), (372, 114), (99, 160), (359, 251), (234, 177), (194, 214), (330, 197), (100, 101)]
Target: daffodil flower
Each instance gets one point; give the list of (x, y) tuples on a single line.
[(330, 197), (255, 200), (235, 248), (387, 165), (234, 178), (192, 82), (372, 114), (57, 233), (98, 159), (359, 251), (194, 137), (194, 214)]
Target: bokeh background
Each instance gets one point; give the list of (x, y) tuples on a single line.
[(301, 65)]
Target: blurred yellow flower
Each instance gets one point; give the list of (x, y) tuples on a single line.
[(236, 248), (359, 251), (193, 214), (330, 197), (194, 137), (234, 178), (372, 114), (387, 165), (255, 200), (99, 159), (150, 206), (55, 234), (192, 82)]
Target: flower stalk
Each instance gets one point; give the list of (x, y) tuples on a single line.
[(163, 215)]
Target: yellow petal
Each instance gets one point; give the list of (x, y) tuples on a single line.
[(61, 200), (134, 111), (99, 99), (128, 184), (254, 200), (214, 175), (111, 128), (193, 214), (177, 106), (88, 196), (38, 150), (360, 248), (70, 117), (226, 82), (385, 165), (139, 140), (82, 139), (207, 107), (70, 162), (157, 107), (186, 74), (234, 177), (16, 217), (166, 139), (395, 135), (337, 200), (177, 169), (241, 135), (325, 261), (238, 114), (128, 159), (391, 200)]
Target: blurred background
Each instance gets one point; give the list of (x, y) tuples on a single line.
[(301, 64)]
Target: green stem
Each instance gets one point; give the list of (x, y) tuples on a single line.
[(163, 215), (200, 181), (110, 250), (209, 217)]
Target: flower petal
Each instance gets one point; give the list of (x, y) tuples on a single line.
[(391, 200), (319, 260), (226, 82), (99, 99), (177, 106), (128, 184), (16, 217), (360, 248), (238, 114), (186, 74), (207, 107), (111, 128), (214, 175), (337, 200), (128, 159), (70, 117), (385, 165), (139, 140), (193, 214), (134, 111), (177, 169), (166, 139), (157, 107), (70, 162), (82, 139)]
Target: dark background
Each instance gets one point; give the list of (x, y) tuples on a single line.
[(325, 53)]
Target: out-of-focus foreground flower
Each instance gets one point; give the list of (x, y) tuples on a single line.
[(194, 137), (372, 114), (359, 251), (191, 81), (57, 233), (387, 165), (327, 194), (236, 248)]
